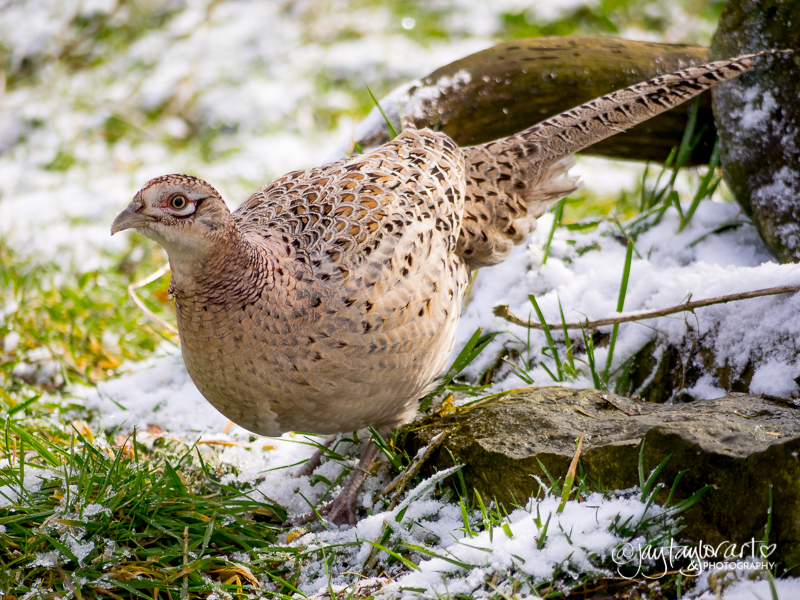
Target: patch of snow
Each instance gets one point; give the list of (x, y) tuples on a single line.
[(47, 559), (605, 178), (747, 589), (581, 530), (95, 509), (776, 378), (158, 391), (75, 145), (10, 342), (486, 18), (706, 390), (79, 549), (757, 112), (427, 94), (34, 478)]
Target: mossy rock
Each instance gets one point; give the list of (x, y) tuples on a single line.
[(758, 119), (740, 445)]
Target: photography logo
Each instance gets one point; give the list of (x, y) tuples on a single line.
[(691, 560)]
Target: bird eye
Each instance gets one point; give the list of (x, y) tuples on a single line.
[(178, 202)]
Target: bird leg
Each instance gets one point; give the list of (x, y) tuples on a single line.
[(342, 509), (315, 460)]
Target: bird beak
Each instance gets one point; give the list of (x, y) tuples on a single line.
[(130, 218)]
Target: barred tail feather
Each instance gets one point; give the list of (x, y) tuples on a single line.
[(575, 129)]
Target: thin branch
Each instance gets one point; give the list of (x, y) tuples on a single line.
[(503, 312), (138, 302)]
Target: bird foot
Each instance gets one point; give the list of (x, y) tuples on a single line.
[(342, 510)]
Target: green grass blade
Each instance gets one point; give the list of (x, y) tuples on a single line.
[(768, 527), (721, 228), (392, 131), (587, 340), (640, 466), (39, 446), (623, 290), (651, 480), (543, 533), (554, 487), (553, 376), (427, 552), (773, 592), (688, 502), (643, 200), (706, 189), (558, 212), (551, 344), (476, 344), (378, 440), (23, 405), (685, 149), (675, 483), (393, 554), (566, 337), (465, 519)]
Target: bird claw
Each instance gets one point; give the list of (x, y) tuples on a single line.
[(342, 510)]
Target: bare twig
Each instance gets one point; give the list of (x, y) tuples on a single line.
[(503, 312), (399, 483), (138, 302)]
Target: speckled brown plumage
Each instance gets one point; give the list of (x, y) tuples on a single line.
[(359, 294), (328, 301)]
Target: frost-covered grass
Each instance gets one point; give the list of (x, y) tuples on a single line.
[(94, 518), (119, 480)]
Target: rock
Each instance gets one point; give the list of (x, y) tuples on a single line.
[(757, 117), (740, 445)]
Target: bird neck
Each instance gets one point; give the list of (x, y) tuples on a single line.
[(229, 269)]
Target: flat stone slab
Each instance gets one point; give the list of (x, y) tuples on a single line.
[(740, 444)]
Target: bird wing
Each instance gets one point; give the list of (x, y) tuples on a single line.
[(347, 213)]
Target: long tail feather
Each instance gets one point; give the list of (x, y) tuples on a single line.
[(603, 117)]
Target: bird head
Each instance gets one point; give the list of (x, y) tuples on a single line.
[(182, 213)]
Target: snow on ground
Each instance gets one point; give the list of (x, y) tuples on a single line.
[(157, 391), (244, 81), (241, 74), (582, 530), (744, 589)]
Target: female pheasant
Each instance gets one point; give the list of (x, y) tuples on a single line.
[(328, 301)]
